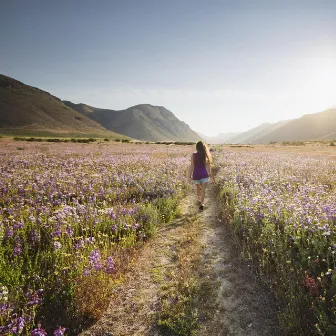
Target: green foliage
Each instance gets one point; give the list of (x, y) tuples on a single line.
[(179, 315), (167, 208)]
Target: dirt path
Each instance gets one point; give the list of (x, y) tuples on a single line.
[(131, 311), (243, 305), (246, 307)]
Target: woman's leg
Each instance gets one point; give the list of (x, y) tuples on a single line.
[(203, 187), (198, 192)]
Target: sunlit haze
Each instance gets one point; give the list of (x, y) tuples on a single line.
[(220, 66)]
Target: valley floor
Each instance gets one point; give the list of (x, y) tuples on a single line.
[(189, 280)]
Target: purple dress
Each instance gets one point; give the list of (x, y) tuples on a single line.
[(200, 171)]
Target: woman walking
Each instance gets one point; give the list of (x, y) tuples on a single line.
[(200, 171)]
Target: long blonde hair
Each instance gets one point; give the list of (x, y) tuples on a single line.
[(203, 151)]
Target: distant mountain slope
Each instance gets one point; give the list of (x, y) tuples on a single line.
[(243, 137), (316, 126), (143, 122), (28, 109), (221, 138), (254, 139)]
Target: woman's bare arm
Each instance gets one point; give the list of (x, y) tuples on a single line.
[(191, 167), (209, 170)]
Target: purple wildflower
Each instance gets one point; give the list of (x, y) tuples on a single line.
[(17, 250), (79, 244), (38, 332), (110, 266), (89, 240), (17, 225), (69, 231), (57, 245), (95, 261), (60, 331), (35, 235), (9, 233), (57, 232)]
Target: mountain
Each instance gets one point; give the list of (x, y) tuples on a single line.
[(254, 139), (28, 110), (316, 126), (142, 122), (221, 138), (244, 136)]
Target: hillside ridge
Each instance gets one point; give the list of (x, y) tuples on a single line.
[(142, 121), (30, 110)]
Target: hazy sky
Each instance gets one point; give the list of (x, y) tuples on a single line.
[(220, 66)]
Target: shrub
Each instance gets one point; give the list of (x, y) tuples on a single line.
[(293, 143), (54, 140), (184, 143)]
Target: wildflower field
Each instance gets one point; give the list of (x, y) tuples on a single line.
[(283, 210), (72, 217)]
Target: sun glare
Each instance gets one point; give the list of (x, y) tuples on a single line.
[(318, 78)]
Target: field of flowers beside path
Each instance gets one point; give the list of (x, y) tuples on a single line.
[(72, 218), (282, 207)]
